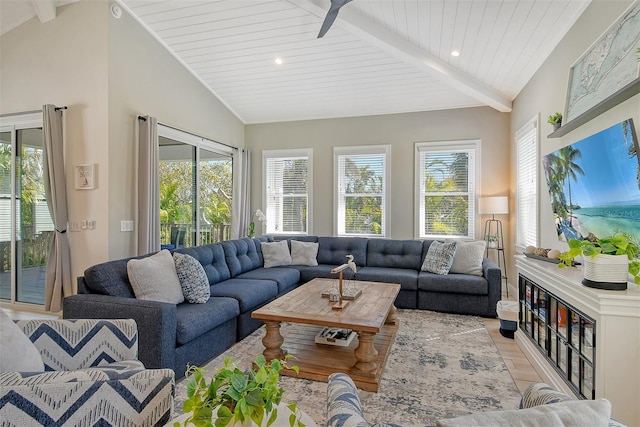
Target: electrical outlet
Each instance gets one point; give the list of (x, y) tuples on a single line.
[(84, 224), (126, 225)]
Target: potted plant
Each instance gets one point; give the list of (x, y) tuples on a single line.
[(234, 396), (555, 120), (607, 262), (492, 241)]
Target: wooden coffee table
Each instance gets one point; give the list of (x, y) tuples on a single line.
[(372, 315)]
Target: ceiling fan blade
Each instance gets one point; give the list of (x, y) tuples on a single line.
[(332, 14)]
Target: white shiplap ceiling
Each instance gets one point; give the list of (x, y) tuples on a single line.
[(379, 57)]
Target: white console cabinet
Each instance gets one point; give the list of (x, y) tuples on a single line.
[(581, 340)]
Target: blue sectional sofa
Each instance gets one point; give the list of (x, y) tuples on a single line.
[(174, 335)]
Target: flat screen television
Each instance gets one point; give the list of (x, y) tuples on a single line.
[(594, 185)]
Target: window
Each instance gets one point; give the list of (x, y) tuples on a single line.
[(446, 188), (196, 187), (287, 190), (526, 140), (361, 190)]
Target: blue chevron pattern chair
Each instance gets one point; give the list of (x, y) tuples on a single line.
[(92, 377)]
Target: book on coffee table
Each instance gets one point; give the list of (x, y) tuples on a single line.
[(335, 336)]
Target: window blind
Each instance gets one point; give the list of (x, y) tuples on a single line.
[(447, 190), (361, 188), (527, 184), (286, 194)]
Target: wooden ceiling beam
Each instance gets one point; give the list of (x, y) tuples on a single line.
[(350, 20)]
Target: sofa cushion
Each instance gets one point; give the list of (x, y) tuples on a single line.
[(405, 254), (241, 255), (407, 278), (453, 283), (193, 279), (334, 250), (468, 258), (155, 278), (576, 413), (18, 353), (213, 261), (308, 273), (275, 254), (439, 257), (286, 278), (110, 278), (194, 320), (249, 293), (304, 253)]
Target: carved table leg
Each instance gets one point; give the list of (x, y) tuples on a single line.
[(272, 341), (366, 354), (392, 317)]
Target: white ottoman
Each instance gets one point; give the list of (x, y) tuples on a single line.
[(508, 315)]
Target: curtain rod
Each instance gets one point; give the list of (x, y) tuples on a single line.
[(20, 113), (143, 118)]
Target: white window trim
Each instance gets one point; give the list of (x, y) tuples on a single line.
[(363, 150), (533, 123), (300, 152), (474, 144)]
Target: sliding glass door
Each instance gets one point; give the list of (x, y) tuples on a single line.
[(26, 228), (196, 183)]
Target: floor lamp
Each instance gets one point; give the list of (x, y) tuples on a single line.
[(493, 235)]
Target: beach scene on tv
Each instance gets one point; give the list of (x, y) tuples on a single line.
[(594, 185)]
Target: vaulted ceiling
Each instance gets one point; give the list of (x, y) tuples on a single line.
[(379, 57)]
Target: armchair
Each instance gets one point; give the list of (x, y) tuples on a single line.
[(91, 377)]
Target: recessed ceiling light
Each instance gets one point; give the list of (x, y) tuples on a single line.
[(455, 53), (278, 61)]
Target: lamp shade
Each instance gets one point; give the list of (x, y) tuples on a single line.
[(493, 205)]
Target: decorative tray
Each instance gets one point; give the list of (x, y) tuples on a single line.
[(547, 259)]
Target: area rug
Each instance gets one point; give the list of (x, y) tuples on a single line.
[(440, 366)]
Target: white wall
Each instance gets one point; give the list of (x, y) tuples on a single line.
[(401, 131), (64, 62), (107, 71), (145, 79), (545, 94)]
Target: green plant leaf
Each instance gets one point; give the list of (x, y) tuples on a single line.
[(238, 382), (272, 417)]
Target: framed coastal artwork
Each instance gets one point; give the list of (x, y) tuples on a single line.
[(607, 66), (593, 184)]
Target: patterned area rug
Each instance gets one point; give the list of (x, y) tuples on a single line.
[(440, 366)]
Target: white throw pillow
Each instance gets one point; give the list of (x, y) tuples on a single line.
[(304, 253), (468, 258), (154, 278), (439, 257), (17, 352), (275, 253)]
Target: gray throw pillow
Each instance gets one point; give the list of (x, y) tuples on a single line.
[(193, 278), (575, 413), (304, 253), (17, 353), (155, 279), (439, 257), (468, 258), (275, 253)]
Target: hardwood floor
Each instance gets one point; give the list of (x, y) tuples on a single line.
[(519, 367)]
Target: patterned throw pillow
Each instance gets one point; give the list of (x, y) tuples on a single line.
[(193, 279), (439, 257)]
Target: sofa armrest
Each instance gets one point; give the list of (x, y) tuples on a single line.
[(492, 273), (67, 345), (88, 397), (157, 323)]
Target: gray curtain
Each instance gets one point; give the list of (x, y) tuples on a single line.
[(241, 194), (148, 186), (58, 270)]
